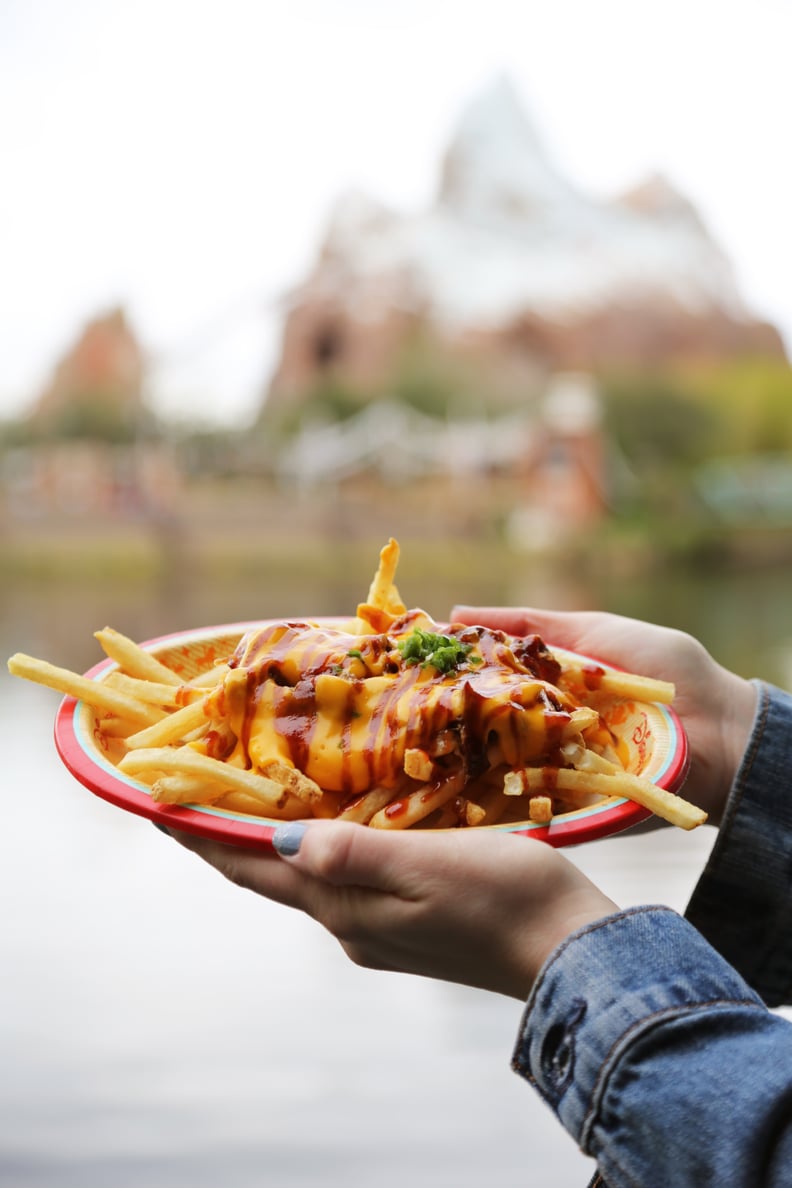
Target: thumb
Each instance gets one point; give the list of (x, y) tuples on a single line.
[(344, 854)]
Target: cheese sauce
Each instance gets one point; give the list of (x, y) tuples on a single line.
[(344, 708)]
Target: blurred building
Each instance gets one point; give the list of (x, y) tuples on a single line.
[(513, 264), (97, 387), (547, 467), (90, 451), (567, 474), (76, 480)]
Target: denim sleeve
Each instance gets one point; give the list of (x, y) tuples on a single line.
[(659, 1059), (743, 901)]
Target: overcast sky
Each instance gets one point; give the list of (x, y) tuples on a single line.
[(180, 157)]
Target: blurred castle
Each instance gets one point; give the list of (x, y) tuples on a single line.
[(511, 264), (93, 451), (455, 352), (100, 375), (465, 340)]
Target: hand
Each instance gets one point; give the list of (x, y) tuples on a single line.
[(716, 707), (482, 909)]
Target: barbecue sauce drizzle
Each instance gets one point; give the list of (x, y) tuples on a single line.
[(343, 708)]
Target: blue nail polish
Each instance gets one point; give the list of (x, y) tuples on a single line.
[(287, 838)]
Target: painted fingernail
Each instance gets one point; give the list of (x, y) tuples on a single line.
[(162, 828), (287, 838)]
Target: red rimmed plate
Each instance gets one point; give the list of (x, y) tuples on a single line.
[(653, 734)]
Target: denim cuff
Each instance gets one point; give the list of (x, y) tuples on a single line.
[(742, 903), (600, 991)]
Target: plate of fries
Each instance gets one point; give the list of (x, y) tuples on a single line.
[(388, 719)]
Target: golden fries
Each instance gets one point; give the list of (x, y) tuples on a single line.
[(364, 807), (156, 761), (173, 728), (614, 683), (417, 805), (571, 782), (73, 685), (389, 722), (134, 660)]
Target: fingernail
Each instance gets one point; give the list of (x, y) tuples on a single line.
[(161, 828), (287, 838)]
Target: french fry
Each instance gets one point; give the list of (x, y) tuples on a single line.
[(114, 727), (417, 805), (299, 785), (152, 692), (615, 683), (582, 758), (186, 789), (568, 781), (172, 728), (156, 761), (382, 592), (208, 680), (243, 803), (383, 603), (95, 693), (134, 660), (363, 807)]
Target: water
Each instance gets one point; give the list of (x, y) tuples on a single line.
[(159, 1026)]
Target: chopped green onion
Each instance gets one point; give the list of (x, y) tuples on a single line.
[(428, 648)]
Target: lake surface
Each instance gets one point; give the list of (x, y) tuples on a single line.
[(161, 1027)]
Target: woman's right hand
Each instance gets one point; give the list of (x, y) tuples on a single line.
[(477, 907), (716, 706)]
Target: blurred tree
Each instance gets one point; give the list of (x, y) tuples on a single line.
[(658, 422), (753, 398), (328, 400), (93, 417)]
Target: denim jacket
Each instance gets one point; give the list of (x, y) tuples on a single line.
[(650, 1036)]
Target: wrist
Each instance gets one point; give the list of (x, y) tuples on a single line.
[(736, 720), (569, 915)]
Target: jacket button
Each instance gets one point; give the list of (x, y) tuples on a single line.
[(558, 1050)]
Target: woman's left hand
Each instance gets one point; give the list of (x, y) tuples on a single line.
[(483, 909)]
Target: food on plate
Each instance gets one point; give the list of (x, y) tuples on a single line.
[(390, 720)]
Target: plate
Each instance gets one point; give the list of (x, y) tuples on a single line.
[(653, 733)]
